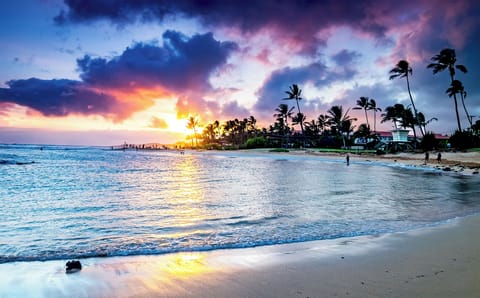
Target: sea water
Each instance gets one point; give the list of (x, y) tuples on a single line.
[(71, 202)]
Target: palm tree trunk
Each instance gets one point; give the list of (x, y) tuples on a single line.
[(465, 108), (456, 112), (413, 106), (301, 123), (366, 117)]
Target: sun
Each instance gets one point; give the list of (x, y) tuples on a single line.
[(178, 125)]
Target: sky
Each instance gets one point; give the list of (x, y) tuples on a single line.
[(105, 72)]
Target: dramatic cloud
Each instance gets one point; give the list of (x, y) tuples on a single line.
[(182, 67), (298, 21), (182, 63), (62, 98)]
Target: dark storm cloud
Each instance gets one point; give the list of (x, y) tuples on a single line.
[(61, 98), (298, 21), (182, 63)]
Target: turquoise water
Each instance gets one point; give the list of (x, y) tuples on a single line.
[(74, 202)]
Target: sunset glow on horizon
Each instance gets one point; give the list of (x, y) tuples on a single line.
[(136, 72)]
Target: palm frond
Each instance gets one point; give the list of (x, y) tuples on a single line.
[(462, 68)]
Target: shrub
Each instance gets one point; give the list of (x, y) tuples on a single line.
[(429, 142), (462, 140), (257, 142)]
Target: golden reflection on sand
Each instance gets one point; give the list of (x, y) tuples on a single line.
[(184, 265)]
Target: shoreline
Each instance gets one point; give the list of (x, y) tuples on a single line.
[(455, 162), (439, 261)]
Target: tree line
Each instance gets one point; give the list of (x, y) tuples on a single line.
[(336, 128)]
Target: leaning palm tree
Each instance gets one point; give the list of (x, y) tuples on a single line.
[(403, 70), (372, 105), (446, 59), (193, 124), (457, 88), (363, 104), (295, 93)]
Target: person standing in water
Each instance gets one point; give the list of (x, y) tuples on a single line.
[(348, 159)]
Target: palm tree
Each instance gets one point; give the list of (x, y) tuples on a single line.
[(422, 122), (393, 113), (457, 87), (295, 93), (363, 104), (299, 118), (323, 122), (282, 115), (283, 112), (339, 121), (403, 70), (193, 124), (372, 105), (312, 128), (446, 59)]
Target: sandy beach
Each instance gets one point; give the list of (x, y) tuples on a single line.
[(456, 162), (437, 261), (441, 261)]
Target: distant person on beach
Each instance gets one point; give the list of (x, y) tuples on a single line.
[(348, 159), (439, 157), (427, 155)]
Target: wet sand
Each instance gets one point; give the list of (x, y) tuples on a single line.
[(441, 261)]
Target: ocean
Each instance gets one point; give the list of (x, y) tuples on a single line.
[(64, 202)]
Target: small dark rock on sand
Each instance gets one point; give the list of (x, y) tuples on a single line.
[(73, 266)]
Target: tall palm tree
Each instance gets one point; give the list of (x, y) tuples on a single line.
[(295, 93), (372, 105), (363, 104), (446, 59), (457, 88), (403, 70), (193, 124)]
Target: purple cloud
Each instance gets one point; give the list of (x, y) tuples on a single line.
[(182, 63)]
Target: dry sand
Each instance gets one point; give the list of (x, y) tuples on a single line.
[(442, 261)]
